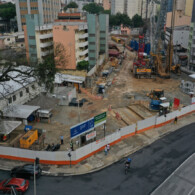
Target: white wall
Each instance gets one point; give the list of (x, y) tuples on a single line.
[(95, 146), (33, 92)]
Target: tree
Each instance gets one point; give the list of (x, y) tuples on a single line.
[(7, 11), (93, 8), (120, 19), (137, 21), (45, 72), (107, 12), (61, 56), (82, 65), (71, 5)]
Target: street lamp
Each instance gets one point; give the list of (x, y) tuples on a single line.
[(36, 162)]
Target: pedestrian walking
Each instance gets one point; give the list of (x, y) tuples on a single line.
[(106, 150), (62, 139), (108, 147), (71, 146), (175, 121)]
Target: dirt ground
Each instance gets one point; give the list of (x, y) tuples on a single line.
[(119, 95)]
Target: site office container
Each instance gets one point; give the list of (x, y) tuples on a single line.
[(28, 139)]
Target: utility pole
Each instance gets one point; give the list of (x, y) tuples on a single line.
[(35, 191)]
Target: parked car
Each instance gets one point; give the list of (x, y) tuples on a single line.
[(26, 171), (75, 102), (18, 184)]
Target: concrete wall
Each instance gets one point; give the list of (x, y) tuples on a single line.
[(82, 153), (65, 35)]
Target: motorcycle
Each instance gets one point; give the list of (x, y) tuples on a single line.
[(127, 167)]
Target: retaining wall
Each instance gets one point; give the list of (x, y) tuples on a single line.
[(84, 152)]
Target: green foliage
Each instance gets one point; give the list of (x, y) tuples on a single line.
[(71, 5), (137, 21), (46, 71), (7, 11), (107, 12), (93, 8), (120, 19), (82, 65)]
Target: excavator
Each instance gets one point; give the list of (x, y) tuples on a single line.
[(164, 63)]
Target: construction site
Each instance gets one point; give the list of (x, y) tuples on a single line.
[(130, 86)]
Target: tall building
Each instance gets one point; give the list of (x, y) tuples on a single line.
[(38, 38), (117, 6), (191, 45), (71, 31), (106, 4), (129, 7), (47, 9), (188, 7), (98, 38)]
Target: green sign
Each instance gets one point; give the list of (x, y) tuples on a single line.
[(100, 119)]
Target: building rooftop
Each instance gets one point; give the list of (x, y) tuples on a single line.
[(20, 81)]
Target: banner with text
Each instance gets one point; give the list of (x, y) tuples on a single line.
[(100, 119), (82, 128)]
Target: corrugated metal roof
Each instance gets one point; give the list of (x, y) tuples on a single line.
[(19, 111), (60, 78), (9, 87), (6, 127)]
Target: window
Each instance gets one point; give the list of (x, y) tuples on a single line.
[(91, 35), (31, 37), (14, 98), (27, 90), (10, 100), (8, 39), (21, 93), (91, 43), (33, 46)]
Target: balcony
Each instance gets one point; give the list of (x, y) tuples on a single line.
[(83, 27), (46, 36), (86, 59), (83, 44), (83, 36), (82, 53), (42, 45), (45, 53)]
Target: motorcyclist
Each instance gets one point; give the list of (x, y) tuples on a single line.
[(128, 163)]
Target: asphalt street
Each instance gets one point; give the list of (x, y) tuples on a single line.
[(150, 167)]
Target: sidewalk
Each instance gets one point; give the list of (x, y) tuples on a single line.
[(117, 152)]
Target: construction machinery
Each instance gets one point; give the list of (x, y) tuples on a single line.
[(156, 94), (176, 69), (141, 67), (116, 39), (164, 63)]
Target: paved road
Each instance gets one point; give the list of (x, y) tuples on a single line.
[(150, 167), (181, 181)]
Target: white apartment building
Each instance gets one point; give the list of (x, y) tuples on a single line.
[(129, 7), (117, 6), (81, 43), (44, 41)]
